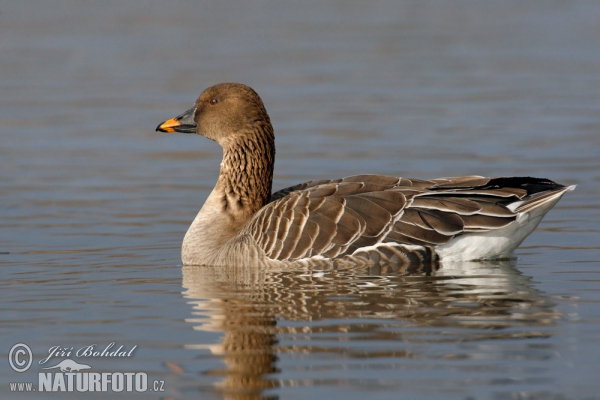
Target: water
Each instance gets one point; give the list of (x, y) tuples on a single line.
[(94, 203)]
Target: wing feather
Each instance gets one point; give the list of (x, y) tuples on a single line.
[(447, 204), (337, 217), (327, 230), (376, 218), (420, 234), (485, 222)]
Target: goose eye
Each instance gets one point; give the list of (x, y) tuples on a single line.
[(213, 101)]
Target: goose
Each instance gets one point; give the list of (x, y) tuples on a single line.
[(363, 219)]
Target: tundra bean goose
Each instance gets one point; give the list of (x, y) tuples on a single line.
[(363, 219)]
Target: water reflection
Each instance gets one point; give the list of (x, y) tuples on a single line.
[(324, 311)]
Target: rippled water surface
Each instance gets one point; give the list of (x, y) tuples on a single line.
[(94, 203)]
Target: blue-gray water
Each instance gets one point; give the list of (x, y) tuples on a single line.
[(94, 203)]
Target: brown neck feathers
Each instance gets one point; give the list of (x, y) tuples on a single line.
[(247, 170)]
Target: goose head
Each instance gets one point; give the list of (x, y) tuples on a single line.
[(226, 113)]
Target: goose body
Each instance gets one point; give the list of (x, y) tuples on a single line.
[(363, 219)]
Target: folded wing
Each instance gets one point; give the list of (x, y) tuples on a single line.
[(338, 217)]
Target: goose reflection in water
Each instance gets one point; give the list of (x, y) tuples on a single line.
[(265, 313)]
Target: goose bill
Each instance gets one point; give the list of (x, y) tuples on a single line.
[(183, 123)]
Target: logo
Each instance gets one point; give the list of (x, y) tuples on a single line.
[(69, 366), (20, 357), (69, 375)]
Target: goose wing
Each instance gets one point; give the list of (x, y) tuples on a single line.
[(337, 217)]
